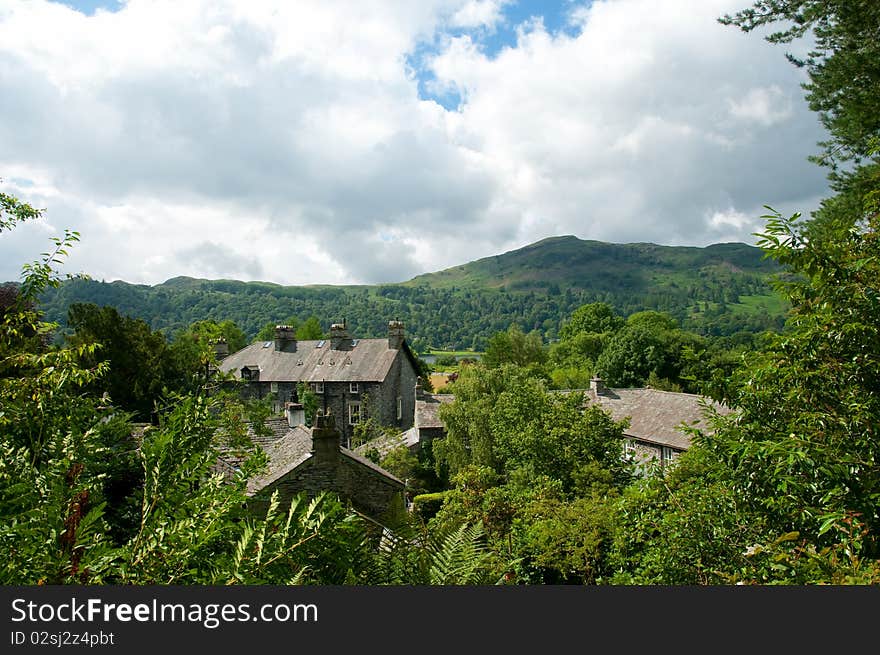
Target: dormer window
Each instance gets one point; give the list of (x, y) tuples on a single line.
[(250, 373)]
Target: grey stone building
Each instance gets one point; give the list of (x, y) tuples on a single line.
[(656, 419), (310, 460), (353, 378)]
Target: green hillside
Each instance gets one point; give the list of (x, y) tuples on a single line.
[(719, 289), (597, 266)]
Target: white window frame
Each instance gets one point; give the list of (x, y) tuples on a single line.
[(399, 408), (273, 387), (629, 447), (318, 387), (354, 412), (668, 455), (354, 387)]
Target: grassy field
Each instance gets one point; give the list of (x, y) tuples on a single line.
[(455, 353)]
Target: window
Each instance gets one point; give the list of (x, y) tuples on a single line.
[(669, 454), (629, 447), (273, 387), (354, 387), (399, 408), (318, 387), (354, 412)]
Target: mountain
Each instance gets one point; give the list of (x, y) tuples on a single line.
[(570, 262), (719, 289)]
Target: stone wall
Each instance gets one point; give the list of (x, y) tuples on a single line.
[(647, 455), (369, 492)]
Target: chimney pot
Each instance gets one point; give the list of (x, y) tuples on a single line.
[(325, 439), (338, 334), (395, 335), (221, 348), (285, 335)]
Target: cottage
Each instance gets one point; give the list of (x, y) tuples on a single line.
[(353, 378), (311, 461), (656, 419)]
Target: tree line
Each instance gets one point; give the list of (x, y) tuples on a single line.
[(528, 487)]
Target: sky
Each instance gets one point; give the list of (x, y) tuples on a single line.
[(369, 141)]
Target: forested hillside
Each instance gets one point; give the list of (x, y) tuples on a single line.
[(718, 290)]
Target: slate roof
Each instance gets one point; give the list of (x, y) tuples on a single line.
[(354, 360), (295, 448), (426, 410), (276, 424), (655, 416)]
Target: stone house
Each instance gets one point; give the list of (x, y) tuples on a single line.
[(354, 379), (656, 419), (311, 460)]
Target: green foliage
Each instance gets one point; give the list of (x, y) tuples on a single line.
[(593, 318), (137, 358), (514, 347), (310, 329), (417, 471), (14, 211), (309, 400), (807, 434), (426, 506), (563, 542), (417, 555), (507, 420)]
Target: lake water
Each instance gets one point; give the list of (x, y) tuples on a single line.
[(432, 359)]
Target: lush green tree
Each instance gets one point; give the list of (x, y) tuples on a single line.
[(595, 318), (507, 420), (515, 347), (310, 329), (684, 525), (415, 469), (631, 356), (210, 331), (136, 356), (805, 444), (561, 541)]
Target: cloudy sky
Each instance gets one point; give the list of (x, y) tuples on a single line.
[(364, 141)]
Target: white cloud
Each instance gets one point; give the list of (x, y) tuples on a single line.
[(764, 105), (479, 13), (287, 141)]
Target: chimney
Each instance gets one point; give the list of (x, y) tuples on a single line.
[(420, 390), (221, 349), (325, 439), (395, 335), (296, 414), (338, 334), (597, 385), (285, 338)]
